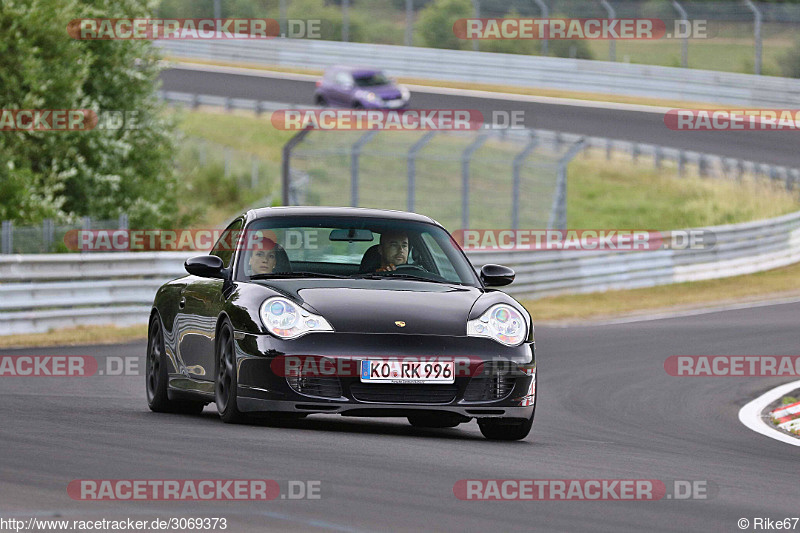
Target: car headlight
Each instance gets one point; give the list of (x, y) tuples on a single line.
[(288, 320), (405, 93), (372, 97), (502, 323)]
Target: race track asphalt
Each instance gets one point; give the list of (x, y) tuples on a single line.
[(607, 410)]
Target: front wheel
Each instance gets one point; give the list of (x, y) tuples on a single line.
[(226, 383)]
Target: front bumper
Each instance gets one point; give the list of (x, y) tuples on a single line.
[(509, 393)]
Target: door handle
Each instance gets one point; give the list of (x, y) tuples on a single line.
[(182, 303)]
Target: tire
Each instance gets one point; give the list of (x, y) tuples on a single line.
[(225, 382), (434, 421), (321, 101), (157, 378), (357, 105)]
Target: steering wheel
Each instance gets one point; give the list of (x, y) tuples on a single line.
[(406, 266)]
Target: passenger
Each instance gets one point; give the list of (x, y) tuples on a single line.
[(263, 259)]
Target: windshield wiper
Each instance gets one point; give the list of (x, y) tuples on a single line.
[(300, 274), (387, 275)]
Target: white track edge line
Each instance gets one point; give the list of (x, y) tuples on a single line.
[(750, 414)]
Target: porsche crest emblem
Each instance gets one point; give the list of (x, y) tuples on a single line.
[(400, 323)]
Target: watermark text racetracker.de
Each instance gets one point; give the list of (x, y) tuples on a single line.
[(583, 239), (191, 28), (68, 366), (733, 365), (397, 119), (732, 119), (578, 28), (193, 489), (583, 489), (122, 524)]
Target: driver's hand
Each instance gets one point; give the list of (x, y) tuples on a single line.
[(387, 268)]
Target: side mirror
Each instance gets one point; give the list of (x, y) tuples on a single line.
[(205, 266), (497, 275)]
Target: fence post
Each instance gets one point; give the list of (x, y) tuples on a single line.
[(345, 20), (545, 13), (282, 14), (519, 159), (253, 172), (657, 157), (217, 9), (612, 44), (476, 13), (756, 34), (355, 153), (409, 38), (122, 221), (465, 159), (48, 234), (8, 237), (685, 41), (558, 211), (609, 147), (681, 163), (412, 166), (286, 159)]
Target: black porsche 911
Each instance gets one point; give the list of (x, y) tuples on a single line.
[(359, 312)]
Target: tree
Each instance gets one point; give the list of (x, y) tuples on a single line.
[(99, 173)]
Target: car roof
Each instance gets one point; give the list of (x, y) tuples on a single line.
[(355, 71), (337, 212)]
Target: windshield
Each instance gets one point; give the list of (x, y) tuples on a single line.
[(372, 80), (351, 247)]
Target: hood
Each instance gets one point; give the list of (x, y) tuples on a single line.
[(371, 306), (387, 92)]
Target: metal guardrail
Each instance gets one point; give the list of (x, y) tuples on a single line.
[(511, 69), (42, 292)]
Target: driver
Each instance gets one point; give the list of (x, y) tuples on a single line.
[(393, 249)]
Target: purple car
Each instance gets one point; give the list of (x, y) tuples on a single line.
[(359, 88)]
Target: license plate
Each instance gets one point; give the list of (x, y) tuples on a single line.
[(381, 371), (394, 104)]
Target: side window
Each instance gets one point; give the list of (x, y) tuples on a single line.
[(343, 79), (226, 245)]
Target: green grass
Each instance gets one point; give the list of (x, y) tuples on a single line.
[(601, 194)]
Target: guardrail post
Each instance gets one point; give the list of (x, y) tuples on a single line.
[(681, 163), (545, 13), (355, 153), (609, 147), (558, 211), (411, 165), (702, 166), (8, 237), (253, 172), (519, 159), (657, 156), (286, 160), (685, 41), (409, 38), (756, 35), (465, 160), (612, 44), (634, 152), (345, 20)]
